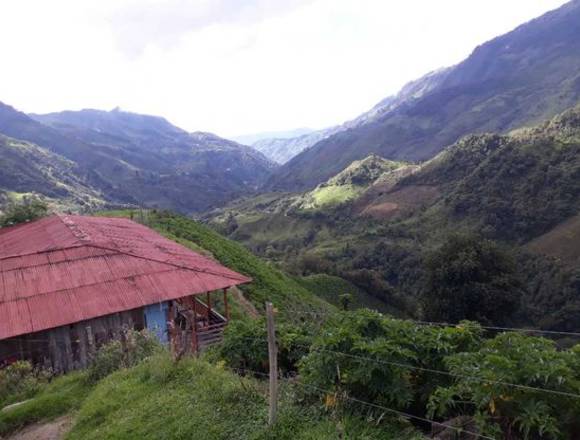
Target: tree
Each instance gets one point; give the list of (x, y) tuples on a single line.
[(30, 209), (470, 278)]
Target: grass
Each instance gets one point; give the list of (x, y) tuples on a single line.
[(61, 396), (330, 287), (194, 399), (334, 195)]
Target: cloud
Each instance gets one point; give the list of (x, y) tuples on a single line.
[(138, 24)]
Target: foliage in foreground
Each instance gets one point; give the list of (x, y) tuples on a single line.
[(499, 409), (393, 363), (20, 381), (245, 346)]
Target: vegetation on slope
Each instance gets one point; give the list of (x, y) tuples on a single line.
[(28, 169), (193, 399), (509, 189)]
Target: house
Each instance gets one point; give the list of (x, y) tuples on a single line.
[(70, 283)]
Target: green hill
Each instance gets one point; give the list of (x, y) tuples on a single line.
[(511, 188)]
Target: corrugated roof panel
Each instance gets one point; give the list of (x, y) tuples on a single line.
[(61, 270), (15, 318)]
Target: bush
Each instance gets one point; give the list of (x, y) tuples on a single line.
[(245, 346), (29, 210), (370, 357), (20, 381), (504, 411), (115, 355)]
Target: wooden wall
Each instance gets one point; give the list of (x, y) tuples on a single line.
[(69, 347)]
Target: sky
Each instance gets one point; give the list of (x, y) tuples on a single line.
[(235, 67)]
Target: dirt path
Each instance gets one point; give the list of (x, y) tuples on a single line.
[(54, 430), (245, 303)]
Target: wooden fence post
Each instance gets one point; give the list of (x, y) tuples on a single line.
[(273, 361)]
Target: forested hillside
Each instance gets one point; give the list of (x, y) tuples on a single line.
[(498, 192), (140, 160)]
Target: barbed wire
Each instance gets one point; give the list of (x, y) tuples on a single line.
[(431, 370), (365, 403)]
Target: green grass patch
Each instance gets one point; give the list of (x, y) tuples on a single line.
[(63, 395), (333, 195), (194, 399), (330, 288)]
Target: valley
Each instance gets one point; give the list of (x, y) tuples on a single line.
[(410, 273)]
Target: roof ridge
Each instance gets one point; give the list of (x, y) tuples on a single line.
[(74, 228)]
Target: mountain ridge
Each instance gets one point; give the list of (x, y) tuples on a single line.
[(517, 79)]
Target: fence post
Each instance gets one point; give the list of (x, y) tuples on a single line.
[(273, 361)]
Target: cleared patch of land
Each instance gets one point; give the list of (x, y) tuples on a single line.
[(561, 242)]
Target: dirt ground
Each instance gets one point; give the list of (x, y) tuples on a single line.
[(54, 430)]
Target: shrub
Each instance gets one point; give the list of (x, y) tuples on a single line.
[(515, 412), (20, 381), (245, 345), (29, 210), (137, 345), (368, 356)]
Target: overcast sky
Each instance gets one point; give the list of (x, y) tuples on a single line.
[(234, 67)]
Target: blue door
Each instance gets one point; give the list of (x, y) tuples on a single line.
[(156, 320)]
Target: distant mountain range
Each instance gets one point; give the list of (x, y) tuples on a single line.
[(126, 158), (518, 79), (281, 149), (251, 139)]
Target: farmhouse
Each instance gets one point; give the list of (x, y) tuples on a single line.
[(70, 283)]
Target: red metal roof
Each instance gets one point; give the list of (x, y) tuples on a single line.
[(64, 269)]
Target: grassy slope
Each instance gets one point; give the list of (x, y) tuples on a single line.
[(330, 287), (63, 395), (193, 399), (269, 283)]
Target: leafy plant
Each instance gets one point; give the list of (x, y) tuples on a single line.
[(383, 360), (20, 381), (531, 364), (135, 347)]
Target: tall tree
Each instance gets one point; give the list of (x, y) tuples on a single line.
[(470, 278)]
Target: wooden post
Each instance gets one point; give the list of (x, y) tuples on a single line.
[(273, 360), (226, 304), (91, 343), (208, 308), (194, 328)]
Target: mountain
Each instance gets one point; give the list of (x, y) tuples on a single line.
[(141, 159), (251, 139), (373, 222), (283, 149), (520, 78), (29, 169)]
